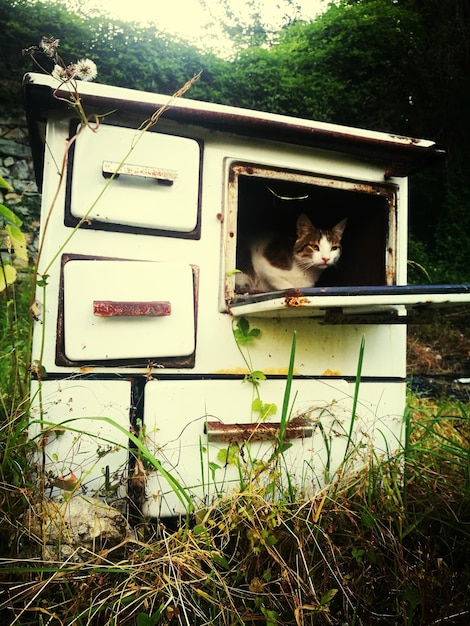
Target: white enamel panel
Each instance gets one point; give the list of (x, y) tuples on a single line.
[(176, 413), (136, 197), (90, 337), (81, 426), (297, 306)]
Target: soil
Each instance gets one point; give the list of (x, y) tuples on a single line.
[(438, 356)]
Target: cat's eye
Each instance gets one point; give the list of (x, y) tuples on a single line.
[(315, 247), (335, 247)]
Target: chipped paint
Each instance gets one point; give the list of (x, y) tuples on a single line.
[(295, 301)]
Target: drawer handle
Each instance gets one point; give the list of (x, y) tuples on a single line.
[(263, 431), (161, 175), (112, 308)]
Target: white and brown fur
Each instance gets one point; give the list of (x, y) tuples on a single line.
[(277, 262)]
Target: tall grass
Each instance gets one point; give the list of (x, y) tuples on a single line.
[(389, 544), (15, 341)]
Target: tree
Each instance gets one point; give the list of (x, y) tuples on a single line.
[(394, 65), (248, 23)]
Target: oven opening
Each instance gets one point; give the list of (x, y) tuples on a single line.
[(268, 204)]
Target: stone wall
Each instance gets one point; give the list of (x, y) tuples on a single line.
[(16, 167)]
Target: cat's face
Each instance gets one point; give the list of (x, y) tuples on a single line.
[(320, 248)]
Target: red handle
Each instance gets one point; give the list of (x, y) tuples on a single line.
[(111, 308), (261, 431)]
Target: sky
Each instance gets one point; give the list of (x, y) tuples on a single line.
[(188, 18)]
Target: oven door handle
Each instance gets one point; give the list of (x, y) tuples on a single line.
[(161, 175), (260, 431), (113, 308)]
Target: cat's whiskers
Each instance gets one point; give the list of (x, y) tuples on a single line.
[(306, 263), (277, 262)]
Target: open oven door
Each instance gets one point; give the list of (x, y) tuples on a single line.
[(355, 305)]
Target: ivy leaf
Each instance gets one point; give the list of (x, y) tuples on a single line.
[(243, 325), (42, 282), (229, 456), (242, 332), (255, 377), (264, 410)]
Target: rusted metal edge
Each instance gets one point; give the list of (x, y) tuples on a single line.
[(400, 155)]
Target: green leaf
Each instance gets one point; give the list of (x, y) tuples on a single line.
[(271, 616), (9, 216), (264, 410), (258, 375), (368, 518), (42, 282), (229, 456), (270, 540), (18, 241), (242, 332), (255, 377), (219, 559), (283, 447), (358, 554), (328, 597), (5, 185), (244, 325), (143, 619), (7, 276)]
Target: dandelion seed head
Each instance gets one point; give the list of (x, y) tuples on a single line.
[(49, 46), (60, 73), (86, 69)]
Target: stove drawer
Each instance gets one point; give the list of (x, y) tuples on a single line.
[(132, 310), (81, 427), (156, 186), (190, 426), (188, 423)]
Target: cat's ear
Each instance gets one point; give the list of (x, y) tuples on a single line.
[(339, 228), (304, 224)]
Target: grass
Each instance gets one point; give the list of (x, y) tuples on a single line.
[(388, 545)]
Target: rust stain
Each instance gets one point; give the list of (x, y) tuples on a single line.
[(279, 371), (142, 171), (235, 370), (295, 301), (329, 372), (297, 428), (110, 308)]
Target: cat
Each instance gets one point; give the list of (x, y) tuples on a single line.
[(277, 262)]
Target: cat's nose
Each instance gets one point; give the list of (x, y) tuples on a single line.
[(325, 259)]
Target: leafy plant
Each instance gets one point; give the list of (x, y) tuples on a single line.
[(13, 240)]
